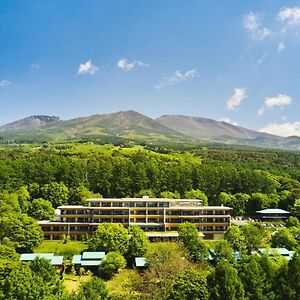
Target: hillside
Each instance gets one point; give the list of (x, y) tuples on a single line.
[(134, 126), (203, 128), (126, 124)]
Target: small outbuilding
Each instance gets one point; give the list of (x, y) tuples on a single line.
[(55, 260), (88, 259), (272, 214)]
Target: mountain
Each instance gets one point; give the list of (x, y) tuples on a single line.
[(203, 128), (126, 124), (29, 122), (133, 126)]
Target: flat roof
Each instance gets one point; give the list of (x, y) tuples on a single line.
[(33, 256), (76, 260), (272, 211), (140, 261), (92, 255), (54, 260), (57, 261), (91, 262)]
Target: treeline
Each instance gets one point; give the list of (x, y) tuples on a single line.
[(119, 172)]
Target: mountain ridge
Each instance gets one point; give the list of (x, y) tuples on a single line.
[(135, 126)]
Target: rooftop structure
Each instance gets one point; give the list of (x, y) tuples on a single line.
[(53, 259), (272, 214), (140, 262), (151, 214), (273, 252), (88, 259)]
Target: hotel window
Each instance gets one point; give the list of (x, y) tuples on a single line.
[(152, 204), (140, 204), (106, 204), (164, 204)]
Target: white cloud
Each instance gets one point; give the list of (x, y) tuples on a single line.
[(4, 83), (262, 58), (283, 129), (87, 68), (281, 47), (280, 100), (125, 65), (253, 26), (35, 66), (236, 99), (176, 77), (227, 120), (291, 15)]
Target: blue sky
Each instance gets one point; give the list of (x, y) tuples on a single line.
[(231, 60)]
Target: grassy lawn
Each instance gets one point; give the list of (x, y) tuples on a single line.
[(72, 282), (59, 248)]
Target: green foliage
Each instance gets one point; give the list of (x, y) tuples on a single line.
[(292, 222), (225, 283), (165, 262), (138, 243), (60, 248), (170, 195), (111, 264), (253, 237), (253, 277), (109, 237), (197, 194), (124, 285), (35, 281), (223, 251), (41, 209), (94, 289), (235, 238), (56, 193), (283, 238), (22, 230), (189, 237), (80, 194), (189, 285)]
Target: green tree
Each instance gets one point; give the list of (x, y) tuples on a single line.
[(41, 209), (93, 289), (80, 194), (253, 277), (292, 222), (189, 237), (189, 285), (235, 238), (111, 264), (22, 230), (197, 194), (169, 195), (37, 280), (56, 193), (253, 237), (109, 237), (223, 251), (138, 243), (282, 238), (225, 283)]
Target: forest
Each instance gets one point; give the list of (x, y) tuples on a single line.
[(35, 179)]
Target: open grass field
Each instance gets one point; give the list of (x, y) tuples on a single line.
[(59, 248)]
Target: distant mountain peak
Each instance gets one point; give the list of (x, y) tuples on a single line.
[(30, 122)]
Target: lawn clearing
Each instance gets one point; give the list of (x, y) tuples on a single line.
[(59, 248)]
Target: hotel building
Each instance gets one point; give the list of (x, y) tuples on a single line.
[(151, 214)]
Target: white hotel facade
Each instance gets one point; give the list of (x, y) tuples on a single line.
[(151, 214)]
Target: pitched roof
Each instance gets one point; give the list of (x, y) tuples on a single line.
[(272, 211)]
